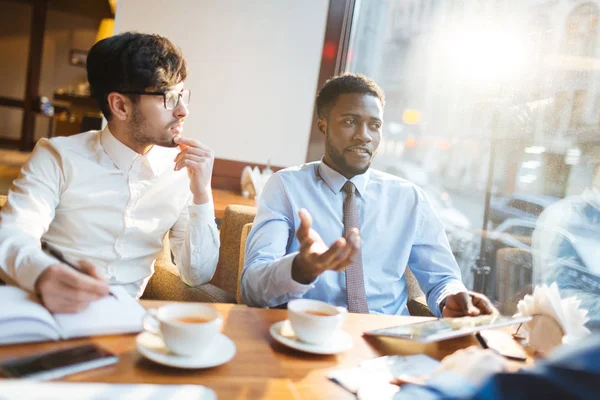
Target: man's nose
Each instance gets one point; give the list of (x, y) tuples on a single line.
[(362, 133), (181, 111)]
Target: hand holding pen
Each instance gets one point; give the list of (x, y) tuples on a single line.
[(65, 287)]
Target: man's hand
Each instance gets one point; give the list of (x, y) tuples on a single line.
[(315, 257), (64, 290), (474, 364), (464, 304), (199, 160)]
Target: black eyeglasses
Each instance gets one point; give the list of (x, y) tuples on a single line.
[(170, 97)]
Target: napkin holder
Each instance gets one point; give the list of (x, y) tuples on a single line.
[(253, 180), (544, 334), (555, 320)]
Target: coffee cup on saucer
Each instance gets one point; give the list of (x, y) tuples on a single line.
[(186, 329), (315, 321)]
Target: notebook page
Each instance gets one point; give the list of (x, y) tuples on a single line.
[(106, 316), (23, 319)]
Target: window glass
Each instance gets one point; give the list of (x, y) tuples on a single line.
[(498, 97)]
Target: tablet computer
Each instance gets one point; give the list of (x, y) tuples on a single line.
[(447, 328)]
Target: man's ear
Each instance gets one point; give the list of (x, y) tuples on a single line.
[(322, 125), (120, 106)]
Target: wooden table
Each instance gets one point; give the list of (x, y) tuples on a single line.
[(223, 198), (261, 368)]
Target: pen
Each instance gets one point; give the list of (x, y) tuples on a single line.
[(60, 257)]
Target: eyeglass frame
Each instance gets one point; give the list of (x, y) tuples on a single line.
[(164, 95)]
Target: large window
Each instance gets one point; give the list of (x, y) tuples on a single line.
[(493, 108)]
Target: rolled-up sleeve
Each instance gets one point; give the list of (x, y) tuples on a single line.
[(267, 277), (431, 259)]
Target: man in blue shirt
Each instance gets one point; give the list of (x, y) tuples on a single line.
[(356, 228)]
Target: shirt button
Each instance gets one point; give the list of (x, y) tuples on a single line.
[(194, 214)]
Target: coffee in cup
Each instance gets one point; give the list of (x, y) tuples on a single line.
[(320, 313), (314, 321), (186, 329), (192, 320)]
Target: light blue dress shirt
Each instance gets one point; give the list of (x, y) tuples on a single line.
[(398, 227)]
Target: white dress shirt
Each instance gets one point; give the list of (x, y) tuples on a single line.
[(398, 227), (94, 198)]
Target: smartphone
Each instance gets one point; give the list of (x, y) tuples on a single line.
[(58, 363), (503, 344)]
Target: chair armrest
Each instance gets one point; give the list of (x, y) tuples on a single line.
[(166, 284)]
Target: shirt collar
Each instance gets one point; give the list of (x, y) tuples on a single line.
[(335, 181), (123, 157)]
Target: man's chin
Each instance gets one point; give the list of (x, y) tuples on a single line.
[(167, 143), (353, 169)]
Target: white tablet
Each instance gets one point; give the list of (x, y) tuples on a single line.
[(447, 328)]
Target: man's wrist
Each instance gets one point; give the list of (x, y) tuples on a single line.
[(442, 305), (299, 271), (202, 198)]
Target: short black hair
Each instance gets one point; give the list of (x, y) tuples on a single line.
[(345, 83), (133, 61)]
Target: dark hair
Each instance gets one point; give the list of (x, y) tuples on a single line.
[(345, 83), (133, 61)]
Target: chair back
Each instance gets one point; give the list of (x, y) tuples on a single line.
[(416, 301), (227, 274), (245, 232), (2, 201)]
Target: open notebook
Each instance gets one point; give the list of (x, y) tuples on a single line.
[(24, 319)]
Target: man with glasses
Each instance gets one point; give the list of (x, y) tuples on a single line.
[(107, 199)]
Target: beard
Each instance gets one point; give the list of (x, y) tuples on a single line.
[(142, 132), (338, 159)]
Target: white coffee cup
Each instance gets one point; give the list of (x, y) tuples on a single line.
[(187, 328), (314, 321)]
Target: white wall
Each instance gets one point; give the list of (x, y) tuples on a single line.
[(253, 68)]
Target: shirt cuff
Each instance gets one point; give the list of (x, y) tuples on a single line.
[(284, 274), (31, 269), (202, 212), (450, 288)]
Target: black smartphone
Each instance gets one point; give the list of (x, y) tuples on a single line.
[(58, 363), (502, 343)]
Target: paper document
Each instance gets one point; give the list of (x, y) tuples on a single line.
[(19, 390)]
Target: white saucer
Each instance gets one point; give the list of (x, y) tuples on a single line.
[(339, 342), (152, 347)]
